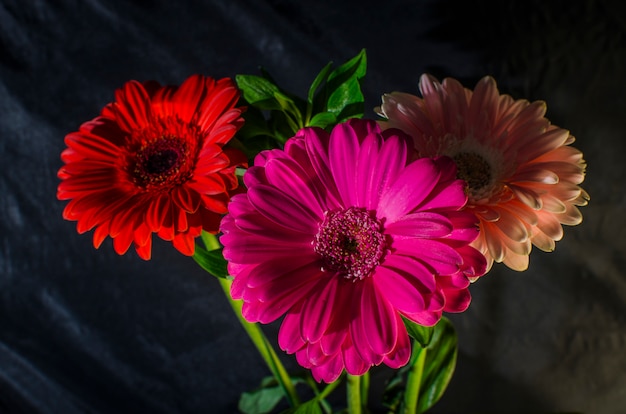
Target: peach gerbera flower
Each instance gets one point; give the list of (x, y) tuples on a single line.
[(522, 174)]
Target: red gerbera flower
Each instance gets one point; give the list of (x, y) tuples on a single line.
[(154, 162)]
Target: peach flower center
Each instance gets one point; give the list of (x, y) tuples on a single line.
[(477, 172)]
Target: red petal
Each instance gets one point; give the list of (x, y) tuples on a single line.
[(133, 107)]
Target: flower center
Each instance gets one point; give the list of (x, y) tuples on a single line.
[(160, 163), (350, 242), (476, 171)]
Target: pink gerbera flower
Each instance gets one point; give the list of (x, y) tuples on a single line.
[(522, 174), (344, 234)]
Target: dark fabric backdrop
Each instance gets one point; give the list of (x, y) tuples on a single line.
[(88, 331)]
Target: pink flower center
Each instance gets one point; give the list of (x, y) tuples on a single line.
[(476, 172), (161, 163), (350, 242)]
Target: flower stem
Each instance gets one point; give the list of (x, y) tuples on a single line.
[(264, 347), (414, 379), (365, 388), (355, 403)]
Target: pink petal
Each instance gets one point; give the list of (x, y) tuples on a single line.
[(399, 290), (410, 188), (279, 300), (249, 249), (378, 316), (441, 257), (465, 228), (365, 167), (330, 371), (411, 267), (343, 150), (457, 300), (319, 309), (289, 182), (390, 161), (421, 225), (425, 318), (289, 338), (402, 352), (355, 365), (447, 196), (273, 287), (316, 141), (359, 331), (315, 355), (474, 262), (282, 267), (282, 209), (256, 224), (336, 333)]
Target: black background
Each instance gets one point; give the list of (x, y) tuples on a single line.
[(88, 331)]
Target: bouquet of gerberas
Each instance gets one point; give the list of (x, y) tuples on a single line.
[(359, 233)]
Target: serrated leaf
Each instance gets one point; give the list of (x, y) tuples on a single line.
[(439, 364), (422, 334), (212, 261)]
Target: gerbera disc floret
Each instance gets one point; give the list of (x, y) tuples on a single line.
[(344, 234), (154, 161), (350, 242), (523, 176)]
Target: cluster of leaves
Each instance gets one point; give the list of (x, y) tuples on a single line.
[(437, 347), (274, 115)]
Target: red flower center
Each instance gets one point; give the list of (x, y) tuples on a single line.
[(350, 242), (161, 163), (163, 156)]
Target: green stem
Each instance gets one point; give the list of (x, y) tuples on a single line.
[(354, 394), (264, 347), (414, 379), (328, 389), (365, 388)]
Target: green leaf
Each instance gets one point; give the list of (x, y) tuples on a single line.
[(323, 119), (261, 401), (422, 334), (309, 407), (211, 260), (344, 96), (439, 365), (254, 125), (319, 79), (290, 109), (258, 91)]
